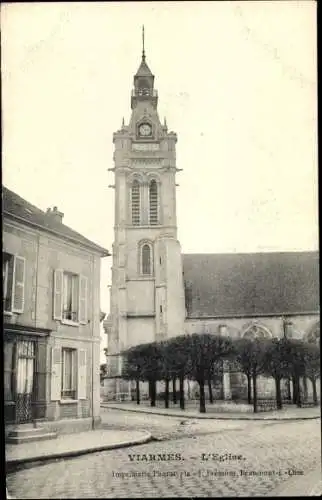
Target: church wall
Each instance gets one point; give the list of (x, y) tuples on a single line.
[(134, 238), (301, 325), (175, 296), (140, 297), (140, 331), (168, 199)]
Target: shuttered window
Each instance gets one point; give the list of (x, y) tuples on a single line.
[(135, 201), (153, 200), (82, 374), (83, 300), (68, 374), (13, 275), (56, 372)]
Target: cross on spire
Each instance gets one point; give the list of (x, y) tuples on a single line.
[(143, 51)]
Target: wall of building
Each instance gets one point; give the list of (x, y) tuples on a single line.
[(140, 330), (44, 253), (301, 325)]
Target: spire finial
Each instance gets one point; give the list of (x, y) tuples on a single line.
[(143, 51)]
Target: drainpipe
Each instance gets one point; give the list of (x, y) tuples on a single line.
[(93, 340), (36, 308), (93, 426)]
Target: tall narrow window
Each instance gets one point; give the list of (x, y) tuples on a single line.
[(153, 196), (146, 259), (68, 374), (135, 203), (70, 297)]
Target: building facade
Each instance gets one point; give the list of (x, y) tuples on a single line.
[(51, 303), (157, 292)]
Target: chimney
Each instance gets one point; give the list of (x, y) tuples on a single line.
[(55, 214)]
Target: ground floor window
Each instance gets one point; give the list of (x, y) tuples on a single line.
[(68, 375)]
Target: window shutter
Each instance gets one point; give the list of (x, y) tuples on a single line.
[(58, 294), (83, 300), (56, 362), (81, 389), (18, 292)]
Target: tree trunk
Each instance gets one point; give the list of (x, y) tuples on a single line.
[(211, 399), (278, 393), (202, 401), (294, 399), (298, 392), (288, 387), (153, 392), (315, 395), (166, 395), (181, 382), (137, 391), (305, 392), (249, 389), (174, 391), (254, 393)]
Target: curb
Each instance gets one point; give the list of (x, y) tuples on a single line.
[(16, 463), (205, 416)]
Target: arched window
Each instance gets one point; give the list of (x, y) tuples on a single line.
[(153, 197), (256, 332), (135, 199), (146, 259)]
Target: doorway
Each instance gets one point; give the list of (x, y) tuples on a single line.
[(25, 369)]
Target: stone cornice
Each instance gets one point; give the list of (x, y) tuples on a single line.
[(259, 315)]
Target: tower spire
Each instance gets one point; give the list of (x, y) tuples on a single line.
[(143, 51)]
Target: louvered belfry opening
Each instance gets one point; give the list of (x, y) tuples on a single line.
[(135, 203), (153, 196)]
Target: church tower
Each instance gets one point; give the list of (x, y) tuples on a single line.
[(147, 293)]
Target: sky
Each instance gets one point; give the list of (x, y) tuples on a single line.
[(237, 82)]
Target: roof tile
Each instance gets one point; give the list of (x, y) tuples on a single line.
[(250, 284)]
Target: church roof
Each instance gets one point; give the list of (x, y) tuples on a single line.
[(251, 284), (19, 208)]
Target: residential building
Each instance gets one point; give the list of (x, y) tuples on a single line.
[(51, 304)]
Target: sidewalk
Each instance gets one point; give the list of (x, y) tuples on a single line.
[(219, 412), (71, 445), (308, 485)]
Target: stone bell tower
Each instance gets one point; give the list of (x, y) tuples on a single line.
[(147, 293)]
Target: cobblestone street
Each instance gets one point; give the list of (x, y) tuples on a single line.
[(263, 455)]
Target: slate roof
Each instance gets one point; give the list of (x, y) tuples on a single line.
[(144, 69), (251, 284), (17, 207)]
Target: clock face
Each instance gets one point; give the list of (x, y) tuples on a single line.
[(145, 129)]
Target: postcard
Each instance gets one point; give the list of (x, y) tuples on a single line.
[(160, 249)]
